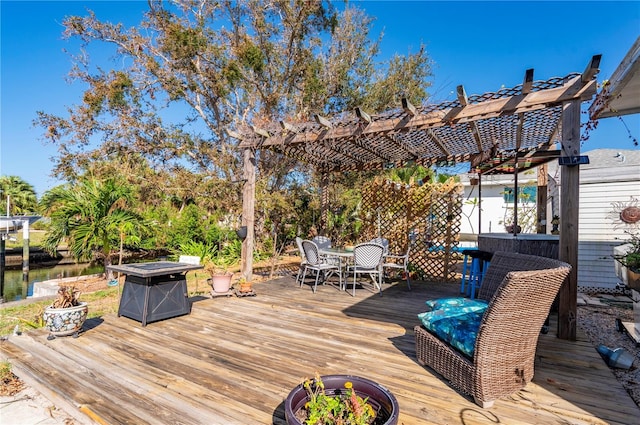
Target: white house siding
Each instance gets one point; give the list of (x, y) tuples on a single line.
[(611, 176), (493, 205)]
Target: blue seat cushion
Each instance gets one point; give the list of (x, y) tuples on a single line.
[(457, 305), (457, 326)]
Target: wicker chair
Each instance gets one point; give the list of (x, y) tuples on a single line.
[(520, 290)]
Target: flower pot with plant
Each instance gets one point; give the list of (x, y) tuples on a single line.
[(245, 286), (66, 315), (341, 399), (631, 262), (220, 275), (555, 222)]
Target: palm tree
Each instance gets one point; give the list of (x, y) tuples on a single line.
[(91, 216), (411, 174), (22, 195)]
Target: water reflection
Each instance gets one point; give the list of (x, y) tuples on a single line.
[(15, 289)]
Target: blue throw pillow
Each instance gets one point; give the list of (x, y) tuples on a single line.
[(458, 304), (459, 331)]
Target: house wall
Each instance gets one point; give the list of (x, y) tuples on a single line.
[(608, 180), (494, 208), (612, 176)]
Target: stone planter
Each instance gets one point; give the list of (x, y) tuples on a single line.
[(65, 321), (380, 398)]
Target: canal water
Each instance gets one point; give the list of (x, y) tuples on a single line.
[(15, 289)]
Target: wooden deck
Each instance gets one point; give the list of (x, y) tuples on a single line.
[(234, 360)]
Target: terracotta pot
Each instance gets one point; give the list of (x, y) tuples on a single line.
[(65, 321), (245, 287), (380, 398), (221, 282), (633, 279)]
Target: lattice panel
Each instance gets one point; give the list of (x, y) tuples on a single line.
[(428, 215)]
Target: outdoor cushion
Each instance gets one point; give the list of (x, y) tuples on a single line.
[(457, 305), (459, 330)]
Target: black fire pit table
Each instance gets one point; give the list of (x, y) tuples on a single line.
[(154, 291)]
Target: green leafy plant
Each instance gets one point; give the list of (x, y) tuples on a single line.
[(346, 408), (205, 251), (217, 265), (631, 259)]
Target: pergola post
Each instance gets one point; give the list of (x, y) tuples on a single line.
[(569, 206), (541, 200), (248, 211), (324, 203)]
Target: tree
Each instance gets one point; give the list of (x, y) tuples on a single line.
[(22, 196), (92, 217), (193, 69)]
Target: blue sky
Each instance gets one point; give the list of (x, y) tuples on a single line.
[(481, 45)]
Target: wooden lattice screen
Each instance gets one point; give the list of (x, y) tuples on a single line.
[(427, 215)]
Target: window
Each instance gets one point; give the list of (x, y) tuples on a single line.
[(527, 194)]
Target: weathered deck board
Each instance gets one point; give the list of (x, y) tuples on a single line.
[(234, 360)]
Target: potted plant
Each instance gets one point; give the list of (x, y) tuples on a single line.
[(245, 286), (341, 399), (555, 222), (66, 315), (631, 262), (220, 275), (509, 228)]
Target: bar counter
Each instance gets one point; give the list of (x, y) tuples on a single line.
[(524, 243)]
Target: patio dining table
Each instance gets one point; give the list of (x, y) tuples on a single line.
[(342, 254)]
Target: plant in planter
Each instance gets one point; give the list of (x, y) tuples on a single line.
[(220, 275), (555, 222), (66, 315), (245, 286), (631, 261), (341, 399)]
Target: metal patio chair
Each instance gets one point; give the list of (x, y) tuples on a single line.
[(367, 259), (318, 264), (303, 258), (400, 263)]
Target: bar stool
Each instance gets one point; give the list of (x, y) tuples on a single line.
[(480, 261), (465, 267)]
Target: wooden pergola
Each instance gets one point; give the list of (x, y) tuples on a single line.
[(511, 128)]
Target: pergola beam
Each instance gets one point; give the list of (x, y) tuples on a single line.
[(363, 116), (288, 127), (438, 142), (261, 132), (234, 134), (574, 89), (323, 121), (592, 69), (408, 107), (527, 84), (402, 145), (473, 126), (357, 140)]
